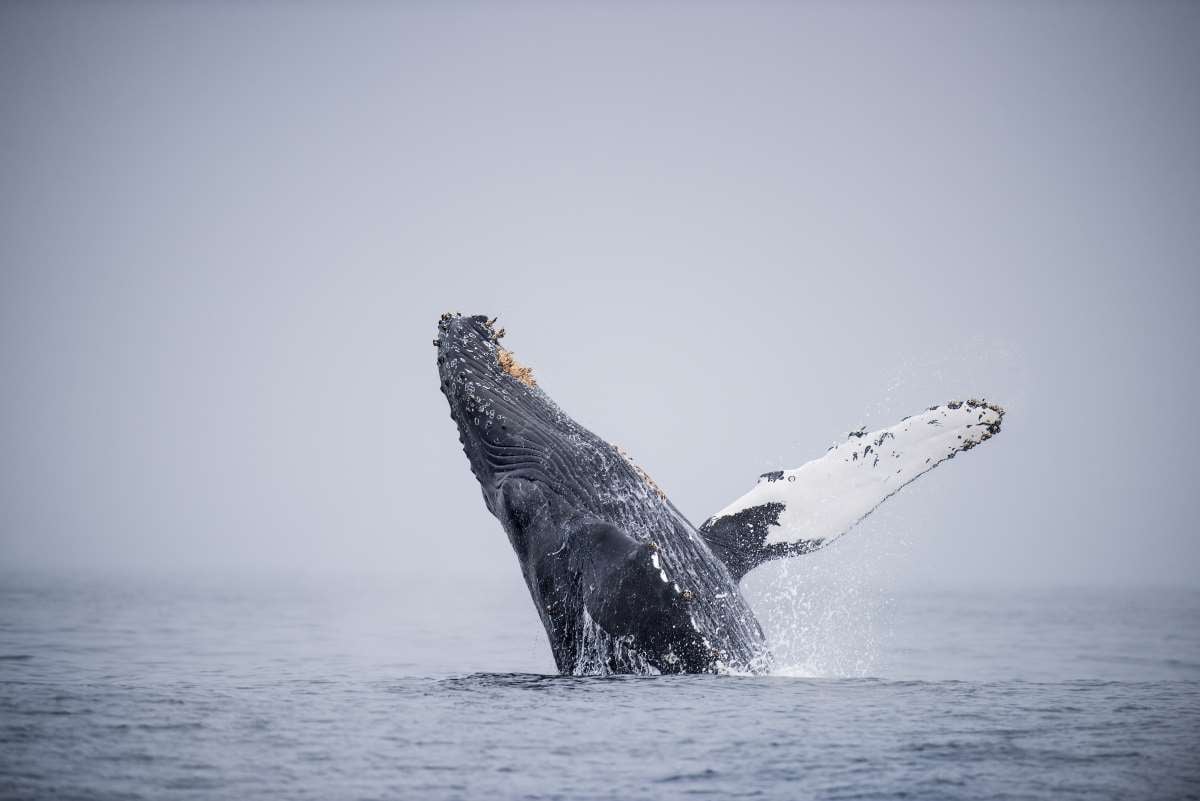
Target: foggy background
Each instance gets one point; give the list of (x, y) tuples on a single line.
[(722, 236)]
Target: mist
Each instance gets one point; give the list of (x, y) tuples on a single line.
[(722, 237)]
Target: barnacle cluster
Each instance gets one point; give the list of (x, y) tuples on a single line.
[(641, 471), (510, 365)]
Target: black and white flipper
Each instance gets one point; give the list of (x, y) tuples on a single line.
[(791, 512)]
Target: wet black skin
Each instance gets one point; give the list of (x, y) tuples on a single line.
[(587, 528)]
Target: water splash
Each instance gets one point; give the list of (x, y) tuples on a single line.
[(828, 614), (601, 654), (972, 367)]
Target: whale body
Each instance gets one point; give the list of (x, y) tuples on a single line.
[(622, 582)]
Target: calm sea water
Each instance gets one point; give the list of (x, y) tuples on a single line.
[(364, 689)]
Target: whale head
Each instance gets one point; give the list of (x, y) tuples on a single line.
[(508, 427)]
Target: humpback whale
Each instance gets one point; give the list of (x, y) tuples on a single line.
[(622, 582)]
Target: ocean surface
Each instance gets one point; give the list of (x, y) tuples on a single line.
[(355, 688)]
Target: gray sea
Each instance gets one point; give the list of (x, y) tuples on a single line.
[(374, 688)]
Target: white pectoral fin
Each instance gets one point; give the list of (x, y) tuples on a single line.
[(789, 512)]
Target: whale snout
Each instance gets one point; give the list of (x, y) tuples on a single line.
[(458, 335), (467, 364), (492, 398), (469, 348), (455, 323)]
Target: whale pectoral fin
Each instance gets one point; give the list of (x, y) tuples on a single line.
[(739, 539), (627, 593), (792, 512)]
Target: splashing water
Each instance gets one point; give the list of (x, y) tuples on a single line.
[(828, 614), (971, 367), (601, 654)]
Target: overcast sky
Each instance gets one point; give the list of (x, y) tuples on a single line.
[(722, 236)]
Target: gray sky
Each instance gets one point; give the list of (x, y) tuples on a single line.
[(723, 236)]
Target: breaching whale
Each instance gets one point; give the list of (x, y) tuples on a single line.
[(622, 581)]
